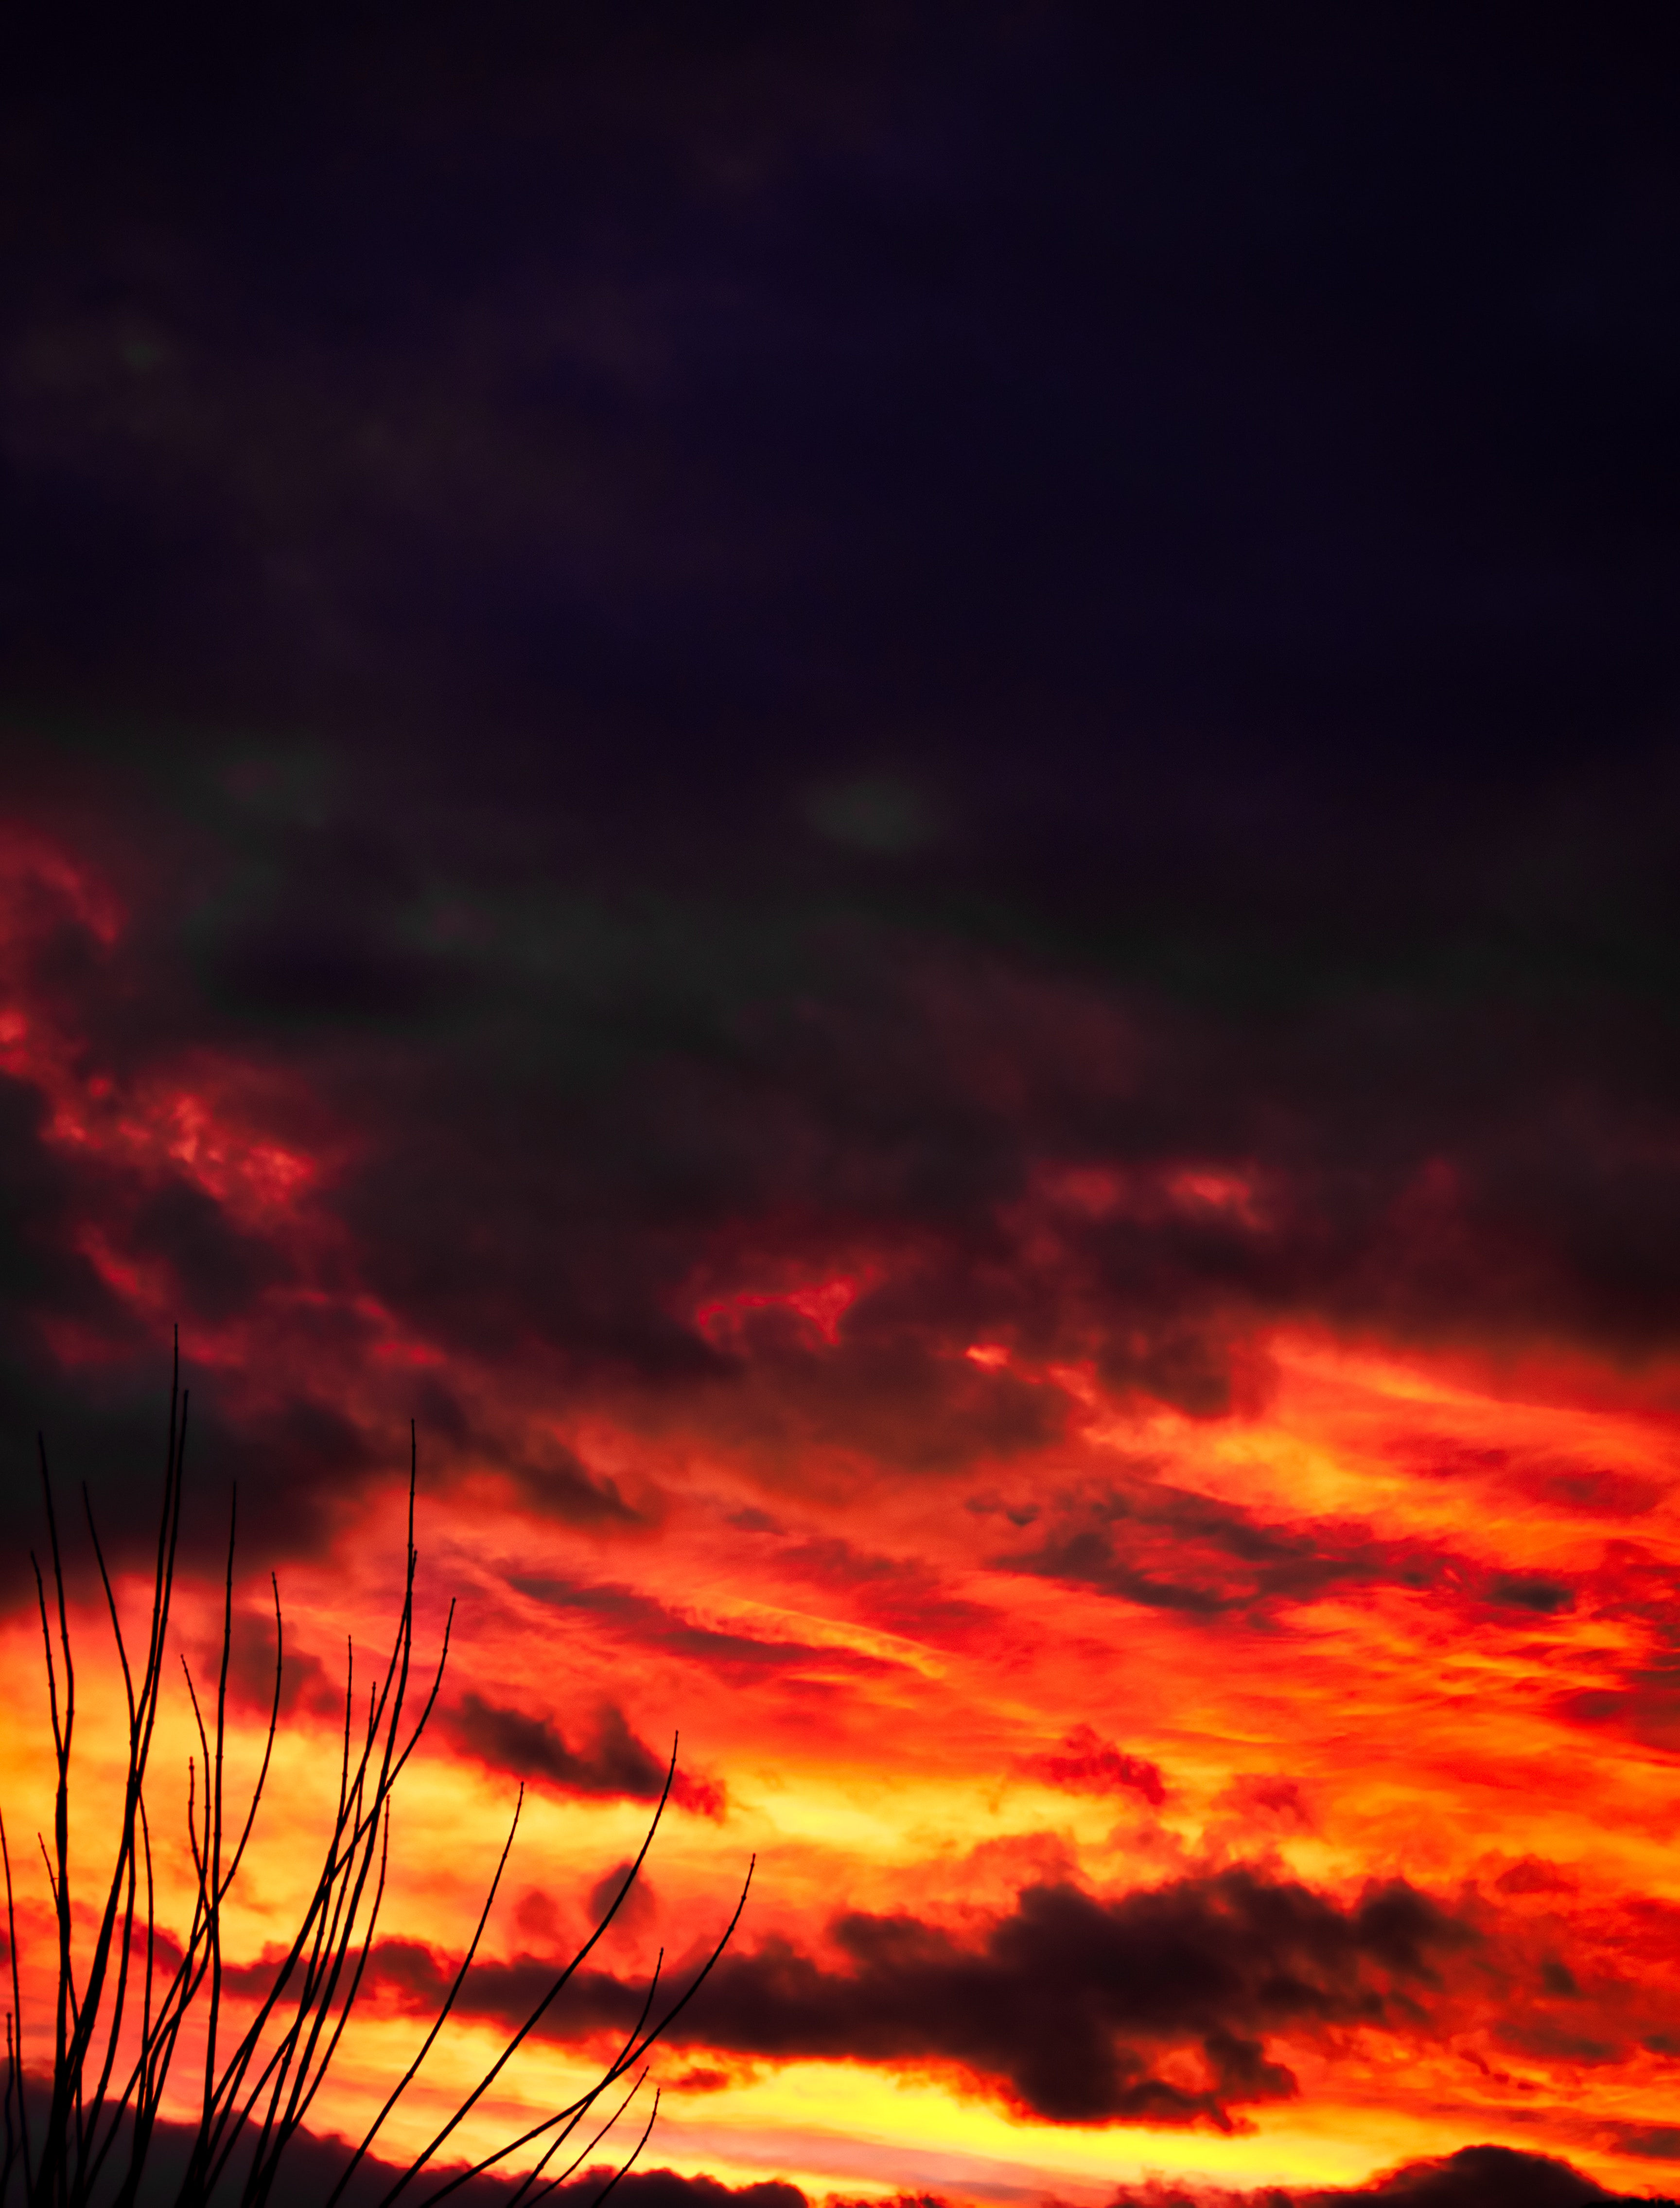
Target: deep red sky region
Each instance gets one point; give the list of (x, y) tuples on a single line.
[(890, 797)]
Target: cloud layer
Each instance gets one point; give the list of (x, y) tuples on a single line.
[(899, 813), (1067, 2006)]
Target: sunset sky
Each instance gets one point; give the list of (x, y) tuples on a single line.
[(891, 795)]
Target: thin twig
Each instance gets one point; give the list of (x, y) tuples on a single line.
[(317, 1983), (17, 2014), (625, 2169), (408, 2077)]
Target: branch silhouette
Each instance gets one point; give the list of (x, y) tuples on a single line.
[(107, 2086)]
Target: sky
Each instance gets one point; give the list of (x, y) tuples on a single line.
[(890, 795)]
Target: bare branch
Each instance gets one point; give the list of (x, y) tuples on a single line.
[(290, 2043), (408, 2077)]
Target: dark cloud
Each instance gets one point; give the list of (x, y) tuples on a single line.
[(306, 1683), (1642, 1704), (645, 1622), (754, 640), (45, 1277), (632, 1117), (1660, 2142), (1066, 2006), (614, 1763), (1491, 2177), (1146, 1541), (1474, 2177), (562, 1486), (762, 438), (665, 2188), (901, 1595), (1086, 1763), (216, 1270), (594, 1163), (1600, 1490), (1258, 1796), (1535, 1874)]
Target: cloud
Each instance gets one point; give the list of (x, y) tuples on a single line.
[(215, 1269), (1474, 2177), (1145, 1540), (665, 2188), (1087, 1764), (615, 1764), (1535, 1874), (1259, 1796), (900, 1595), (1660, 2142), (588, 1020), (1153, 2009), (1003, 1172), (645, 1622), (560, 1486), (306, 1683)]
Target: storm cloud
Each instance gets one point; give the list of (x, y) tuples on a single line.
[(1065, 2006), (660, 802)]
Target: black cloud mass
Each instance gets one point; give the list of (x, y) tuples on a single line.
[(775, 631), (1064, 2006)]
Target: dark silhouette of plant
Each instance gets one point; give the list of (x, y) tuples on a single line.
[(107, 2088)]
